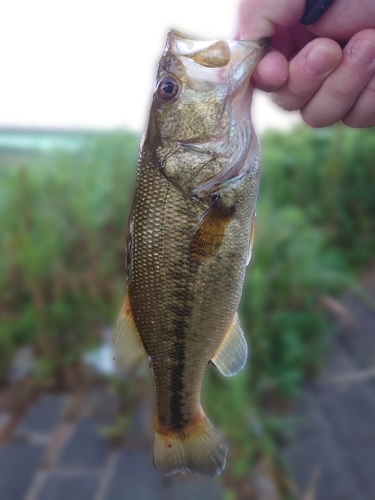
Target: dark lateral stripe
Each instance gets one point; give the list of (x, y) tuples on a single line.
[(177, 418), (176, 404)]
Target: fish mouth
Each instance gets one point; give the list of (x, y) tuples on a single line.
[(211, 60), (189, 44)]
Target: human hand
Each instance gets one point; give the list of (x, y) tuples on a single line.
[(306, 68)]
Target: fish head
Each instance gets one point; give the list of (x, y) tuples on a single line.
[(199, 126)]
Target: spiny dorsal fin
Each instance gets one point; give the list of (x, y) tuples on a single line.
[(128, 344), (210, 232), (231, 356)]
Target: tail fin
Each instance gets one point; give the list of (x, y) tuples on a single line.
[(195, 448)]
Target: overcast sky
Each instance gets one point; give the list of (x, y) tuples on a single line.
[(91, 64)]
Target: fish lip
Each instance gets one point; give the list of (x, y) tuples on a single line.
[(185, 36)]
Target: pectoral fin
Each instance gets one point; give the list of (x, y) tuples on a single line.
[(210, 232), (128, 344), (231, 356)]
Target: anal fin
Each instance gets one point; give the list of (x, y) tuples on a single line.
[(231, 356), (128, 344)]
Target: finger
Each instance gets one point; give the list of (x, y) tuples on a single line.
[(271, 72), (362, 113), (340, 90), (260, 18), (307, 72)]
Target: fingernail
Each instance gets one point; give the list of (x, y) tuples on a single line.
[(318, 61), (363, 50)]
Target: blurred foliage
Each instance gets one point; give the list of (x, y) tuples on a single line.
[(62, 248), (328, 175), (63, 224)]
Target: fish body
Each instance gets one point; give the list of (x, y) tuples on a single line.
[(189, 238)]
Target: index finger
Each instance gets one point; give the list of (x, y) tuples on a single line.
[(260, 18)]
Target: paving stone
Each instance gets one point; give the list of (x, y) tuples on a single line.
[(4, 420), (103, 403), (363, 462), (317, 455), (191, 487), (351, 414), (327, 384), (44, 417), (142, 424), (135, 477), (61, 487), (18, 464), (86, 447), (348, 406), (303, 423), (360, 342)]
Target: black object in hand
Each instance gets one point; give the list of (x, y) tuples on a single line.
[(314, 10)]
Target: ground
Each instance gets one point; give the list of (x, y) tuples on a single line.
[(57, 450)]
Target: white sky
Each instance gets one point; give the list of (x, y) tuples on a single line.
[(91, 63)]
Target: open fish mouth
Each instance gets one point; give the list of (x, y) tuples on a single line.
[(213, 53)]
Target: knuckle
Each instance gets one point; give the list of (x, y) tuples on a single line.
[(351, 120), (289, 99), (362, 113), (338, 90), (313, 121), (313, 116), (370, 87)]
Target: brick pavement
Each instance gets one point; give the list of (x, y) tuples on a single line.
[(50, 458), (332, 449)]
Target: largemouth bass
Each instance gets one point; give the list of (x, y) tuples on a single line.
[(189, 238)]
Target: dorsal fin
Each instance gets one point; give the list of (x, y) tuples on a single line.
[(231, 356), (129, 348)]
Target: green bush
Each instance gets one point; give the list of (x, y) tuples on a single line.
[(62, 239), (329, 175), (291, 267)]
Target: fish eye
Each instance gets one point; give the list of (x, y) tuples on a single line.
[(168, 88)]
